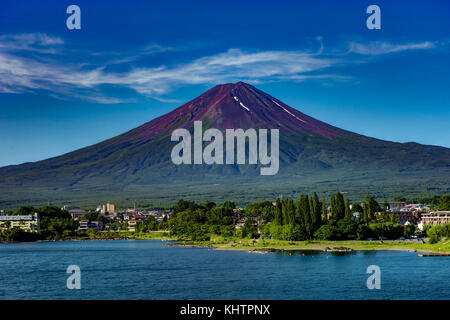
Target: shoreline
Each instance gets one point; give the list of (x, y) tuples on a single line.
[(150, 236), (262, 247), (321, 246)]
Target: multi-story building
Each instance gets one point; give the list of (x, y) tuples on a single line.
[(406, 216), (28, 223), (75, 212), (132, 225), (415, 207), (435, 217), (85, 225), (109, 207)]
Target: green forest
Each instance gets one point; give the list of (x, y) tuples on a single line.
[(307, 218)]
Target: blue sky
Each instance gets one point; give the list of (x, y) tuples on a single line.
[(132, 61)]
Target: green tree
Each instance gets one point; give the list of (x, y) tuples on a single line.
[(363, 231), (291, 233), (278, 220), (7, 225), (339, 206), (53, 222), (229, 205), (371, 206), (366, 214), (347, 228), (151, 223), (409, 229), (227, 231), (357, 208), (303, 217), (249, 230), (347, 208), (273, 231), (444, 203), (288, 211), (316, 212), (333, 209), (324, 210), (25, 211), (327, 232)]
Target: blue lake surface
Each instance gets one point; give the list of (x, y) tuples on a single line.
[(147, 269)]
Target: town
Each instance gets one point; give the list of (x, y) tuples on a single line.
[(308, 218)]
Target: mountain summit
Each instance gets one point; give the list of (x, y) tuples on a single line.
[(314, 156), (237, 105)]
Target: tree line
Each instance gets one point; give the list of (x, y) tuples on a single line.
[(306, 218)]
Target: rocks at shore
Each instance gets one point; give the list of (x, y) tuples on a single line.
[(269, 250), (338, 249), (189, 244)]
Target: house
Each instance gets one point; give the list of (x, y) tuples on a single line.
[(239, 223), (356, 216), (396, 205), (127, 216)]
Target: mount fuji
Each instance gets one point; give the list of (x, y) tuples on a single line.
[(314, 156)]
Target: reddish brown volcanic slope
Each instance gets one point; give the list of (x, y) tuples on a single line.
[(237, 105)]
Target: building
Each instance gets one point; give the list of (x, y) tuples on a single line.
[(68, 208), (85, 225), (406, 216), (109, 207), (396, 205), (132, 225), (28, 223), (356, 216), (75, 212), (435, 217), (415, 207), (240, 222)]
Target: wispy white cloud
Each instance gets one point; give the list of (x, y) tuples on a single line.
[(37, 42), (20, 73), (145, 51), (378, 48), (231, 65)]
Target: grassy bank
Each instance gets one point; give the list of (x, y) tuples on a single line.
[(105, 235), (356, 245)]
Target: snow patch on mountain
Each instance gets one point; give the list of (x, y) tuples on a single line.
[(289, 112), (242, 105)]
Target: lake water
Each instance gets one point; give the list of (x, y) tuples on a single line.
[(146, 269)]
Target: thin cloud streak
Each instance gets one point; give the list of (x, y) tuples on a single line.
[(378, 48), (19, 74), (34, 42)]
